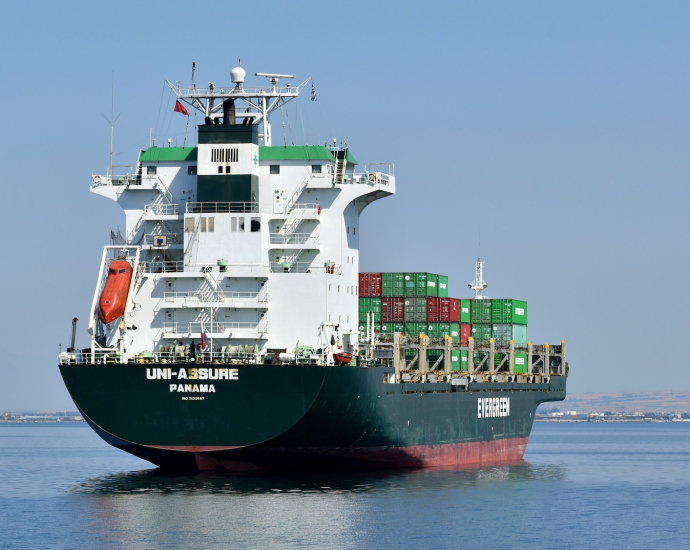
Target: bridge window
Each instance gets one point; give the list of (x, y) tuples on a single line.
[(275, 168), (203, 225), (211, 225), (151, 170), (315, 168)]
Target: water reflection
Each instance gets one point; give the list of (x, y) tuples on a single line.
[(156, 481)]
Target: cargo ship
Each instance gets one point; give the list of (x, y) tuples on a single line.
[(231, 328)]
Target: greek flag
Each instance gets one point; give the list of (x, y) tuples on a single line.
[(313, 92)]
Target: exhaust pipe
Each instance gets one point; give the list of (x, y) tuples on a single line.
[(229, 111), (74, 335)]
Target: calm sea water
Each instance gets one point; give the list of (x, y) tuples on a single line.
[(580, 486)]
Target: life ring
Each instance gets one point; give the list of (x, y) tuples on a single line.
[(97, 179), (372, 178)]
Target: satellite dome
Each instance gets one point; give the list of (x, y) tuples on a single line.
[(237, 75)]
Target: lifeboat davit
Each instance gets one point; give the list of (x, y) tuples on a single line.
[(114, 296), (342, 358)]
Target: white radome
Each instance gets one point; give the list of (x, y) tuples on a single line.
[(237, 75)]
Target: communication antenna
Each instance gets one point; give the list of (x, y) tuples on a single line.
[(112, 120), (478, 285)]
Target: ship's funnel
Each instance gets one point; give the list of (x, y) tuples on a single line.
[(74, 335), (229, 111)]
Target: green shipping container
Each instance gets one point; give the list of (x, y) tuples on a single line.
[(415, 329), (481, 312), (421, 284), (433, 330), (450, 329), (481, 334), (464, 364), (390, 328), (443, 286), (393, 284), (455, 363), (415, 310), (478, 358), (503, 334), (508, 311), (369, 304), (433, 355), (465, 308), (520, 363)]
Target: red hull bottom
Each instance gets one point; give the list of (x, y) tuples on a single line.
[(452, 455)]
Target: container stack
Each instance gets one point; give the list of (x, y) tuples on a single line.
[(418, 303)]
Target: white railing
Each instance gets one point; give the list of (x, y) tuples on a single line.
[(373, 178), (222, 207), (181, 267), (305, 267), (213, 327), (245, 92), (146, 180), (304, 208), (294, 238), (170, 238), (390, 165), (162, 209), (196, 297)]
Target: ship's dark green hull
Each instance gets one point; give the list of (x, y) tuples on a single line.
[(246, 417)]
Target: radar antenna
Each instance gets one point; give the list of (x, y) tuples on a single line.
[(259, 102), (478, 285)]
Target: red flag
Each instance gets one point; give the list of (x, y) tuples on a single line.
[(179, 108)]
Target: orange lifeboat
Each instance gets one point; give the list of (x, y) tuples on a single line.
[(342, 358), (114, 296)]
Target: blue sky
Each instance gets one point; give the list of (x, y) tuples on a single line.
[(557, 133)]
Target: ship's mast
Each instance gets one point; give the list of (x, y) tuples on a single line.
[(259, 102), (478, 285)]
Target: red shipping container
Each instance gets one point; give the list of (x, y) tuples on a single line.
[(444, 310), (465, 333), (454, 310), (393, 310), (370, 284), (433, 310)]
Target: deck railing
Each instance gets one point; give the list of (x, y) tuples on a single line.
[(162, 209), (306, 267), (294, 238), (216, 296), (181, 267), (214, 327), (170, 238), (222, 207)]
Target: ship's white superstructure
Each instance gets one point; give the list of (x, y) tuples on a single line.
[(253, 245)]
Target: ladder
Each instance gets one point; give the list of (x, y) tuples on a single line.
[(296, 195), (341, 164), (163, 190)]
